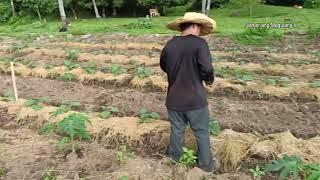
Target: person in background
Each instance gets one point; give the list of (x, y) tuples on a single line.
[(187, 61)]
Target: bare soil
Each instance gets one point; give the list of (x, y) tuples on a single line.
[(302, 119)]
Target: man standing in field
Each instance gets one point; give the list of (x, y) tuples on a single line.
[(187, 61)]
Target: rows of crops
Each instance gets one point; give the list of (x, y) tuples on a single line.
[(121, 89)]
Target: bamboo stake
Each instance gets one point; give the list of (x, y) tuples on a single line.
[(14, 82)]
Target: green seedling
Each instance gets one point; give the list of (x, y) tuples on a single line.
[(214, 126), (315, 84), (2, 171), (278, 81), (73, 127), (70, 64), (188, 158), (124, 178), (147, 116), (67, 76), (257, 172), (50, 175), (143, 72), (48, 66), (75, 105), (107, 112), (92, 68), (47, 128), (72, 54), (117, 69), (289, 167), (9, 96), (35, 103), (61, 110)]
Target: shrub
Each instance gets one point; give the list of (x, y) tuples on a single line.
[(5, 10), (311, 3)]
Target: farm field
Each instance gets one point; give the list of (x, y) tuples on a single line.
[(266, 99)]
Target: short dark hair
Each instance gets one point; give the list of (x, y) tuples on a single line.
[(185, 26)]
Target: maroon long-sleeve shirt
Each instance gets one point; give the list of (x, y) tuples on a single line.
[(187, 62)]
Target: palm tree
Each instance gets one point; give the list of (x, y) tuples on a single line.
[(96, 9), (63, 16), (12, 7)]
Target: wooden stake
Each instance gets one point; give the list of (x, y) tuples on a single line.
[(14, 82)]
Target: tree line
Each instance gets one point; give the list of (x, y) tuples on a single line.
[(101, 8)]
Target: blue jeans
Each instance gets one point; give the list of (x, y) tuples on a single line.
[(199, 123)]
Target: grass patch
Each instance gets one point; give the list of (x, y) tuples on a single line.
[(258, 36)]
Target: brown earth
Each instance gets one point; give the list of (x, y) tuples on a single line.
[(241, 115), (24, 154)]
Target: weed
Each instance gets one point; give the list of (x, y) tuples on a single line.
[(315, 84), (143, 72), (214, 126), (50, 175), (35, 103), (124, 154), (9, 96), (92, 68), (74, 126), (281, 81), (257, 172), (2, 171), (188, 158), (289, 166), (75, 105), (117, 69), (48, 66), (67, 76), (108, 111), (147, 116)]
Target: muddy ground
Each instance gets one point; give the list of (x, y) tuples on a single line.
[(302, 119)]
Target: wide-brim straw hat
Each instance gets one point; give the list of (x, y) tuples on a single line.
[(208, 25)]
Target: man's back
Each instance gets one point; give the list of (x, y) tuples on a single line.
[(187, 62)]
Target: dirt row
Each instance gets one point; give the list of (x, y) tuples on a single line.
[(291, 43), (253, 89), (238, 114), (232, 147), (24, 154), (101, 52)]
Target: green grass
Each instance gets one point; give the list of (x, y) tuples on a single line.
[(305, 19)]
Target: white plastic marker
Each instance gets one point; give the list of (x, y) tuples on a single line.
[(14, 82)]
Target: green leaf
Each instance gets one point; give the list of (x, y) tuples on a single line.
[(315, 84), (30, 102), (288, 165), (36, 107), (105, 114), (214, 127), (124, 178), (63, 142)]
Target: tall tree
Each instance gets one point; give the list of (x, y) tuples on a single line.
[(41, 7), (63, 16), (96, 11), (203, 7), (208, 7), (12, 7)]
